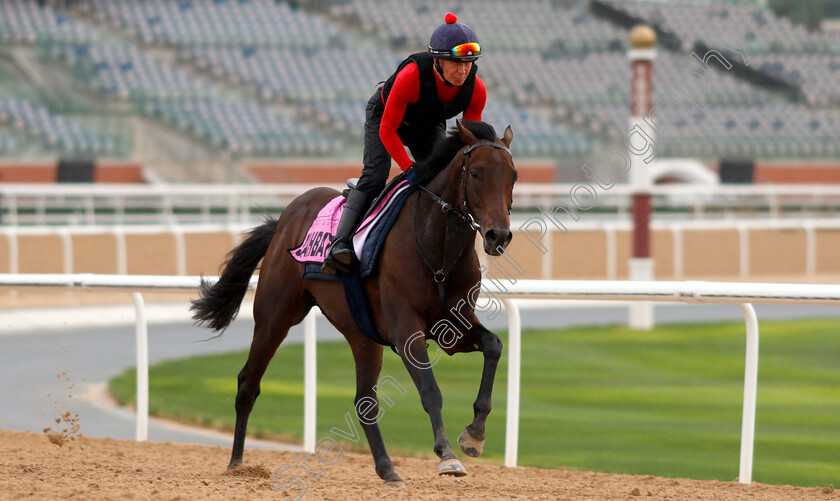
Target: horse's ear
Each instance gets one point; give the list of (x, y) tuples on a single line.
[(508, 137), (466, 136)]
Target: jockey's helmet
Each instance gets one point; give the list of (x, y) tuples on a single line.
[(454, 41)]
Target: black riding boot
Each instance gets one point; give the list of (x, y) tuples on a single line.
[(341, 254)]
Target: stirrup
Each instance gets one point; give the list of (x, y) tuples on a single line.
[(331, 267), (333, 262)]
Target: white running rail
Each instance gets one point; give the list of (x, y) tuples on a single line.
[(99, 203), (525, 228), (744, 294)]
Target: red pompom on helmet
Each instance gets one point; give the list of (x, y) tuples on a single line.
[(454, 41)]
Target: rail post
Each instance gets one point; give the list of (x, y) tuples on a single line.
[(750, 390), (310, 381), (514, 364), (142, 343)]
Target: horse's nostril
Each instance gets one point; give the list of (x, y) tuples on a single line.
[(498, 239)]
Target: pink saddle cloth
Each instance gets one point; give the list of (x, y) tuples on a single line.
[(318, 238)]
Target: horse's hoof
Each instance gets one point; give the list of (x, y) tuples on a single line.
[(451, 467), (472, 447), (390, 477), (234, 464)]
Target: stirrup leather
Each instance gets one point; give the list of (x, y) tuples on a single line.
[(341, 254)]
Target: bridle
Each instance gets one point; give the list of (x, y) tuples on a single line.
[(462, 214)]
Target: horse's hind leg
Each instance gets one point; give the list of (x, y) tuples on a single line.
[(368, 358), (272, 323)]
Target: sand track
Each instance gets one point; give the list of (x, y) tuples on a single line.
[(34, 467)]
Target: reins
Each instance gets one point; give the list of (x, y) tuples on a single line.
[(463, 215)]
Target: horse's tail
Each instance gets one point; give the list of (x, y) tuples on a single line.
[(219, 303)]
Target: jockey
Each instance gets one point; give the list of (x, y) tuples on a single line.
[(410, 110)]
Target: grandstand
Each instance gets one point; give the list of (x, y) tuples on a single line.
[(214, 22), (61, 134), (241, 127), (31, 23), (240, 80), (123, 71)]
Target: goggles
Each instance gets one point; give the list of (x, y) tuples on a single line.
[(471, 49), (466, 51)]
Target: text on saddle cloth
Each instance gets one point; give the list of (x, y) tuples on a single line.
[(318, 238)]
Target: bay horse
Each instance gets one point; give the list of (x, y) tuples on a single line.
[(428, 273)]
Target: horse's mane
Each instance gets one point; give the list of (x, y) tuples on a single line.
[(447, 145)]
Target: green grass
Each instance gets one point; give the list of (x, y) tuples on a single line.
[(665, 402)]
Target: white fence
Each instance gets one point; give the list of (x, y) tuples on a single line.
[(610, 230), (98, 203), (90, 204), (677, 228), (119, 232), (687, 292)]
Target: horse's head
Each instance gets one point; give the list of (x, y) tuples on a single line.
[(486, 191)]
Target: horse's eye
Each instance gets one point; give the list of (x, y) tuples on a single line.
[(473, 173)]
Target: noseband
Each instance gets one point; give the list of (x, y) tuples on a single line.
[(464, 214)]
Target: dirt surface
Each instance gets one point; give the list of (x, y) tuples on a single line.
[(37, 466)]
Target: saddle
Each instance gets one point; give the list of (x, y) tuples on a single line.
[(353, 181), (368, 237), (368, 240)]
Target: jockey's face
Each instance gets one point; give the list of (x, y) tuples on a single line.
[(455, 72)]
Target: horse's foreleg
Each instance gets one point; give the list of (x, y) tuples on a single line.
[(416, 360), (471, 440), (368, 358)]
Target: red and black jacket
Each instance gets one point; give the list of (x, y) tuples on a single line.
[(429, 111)]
